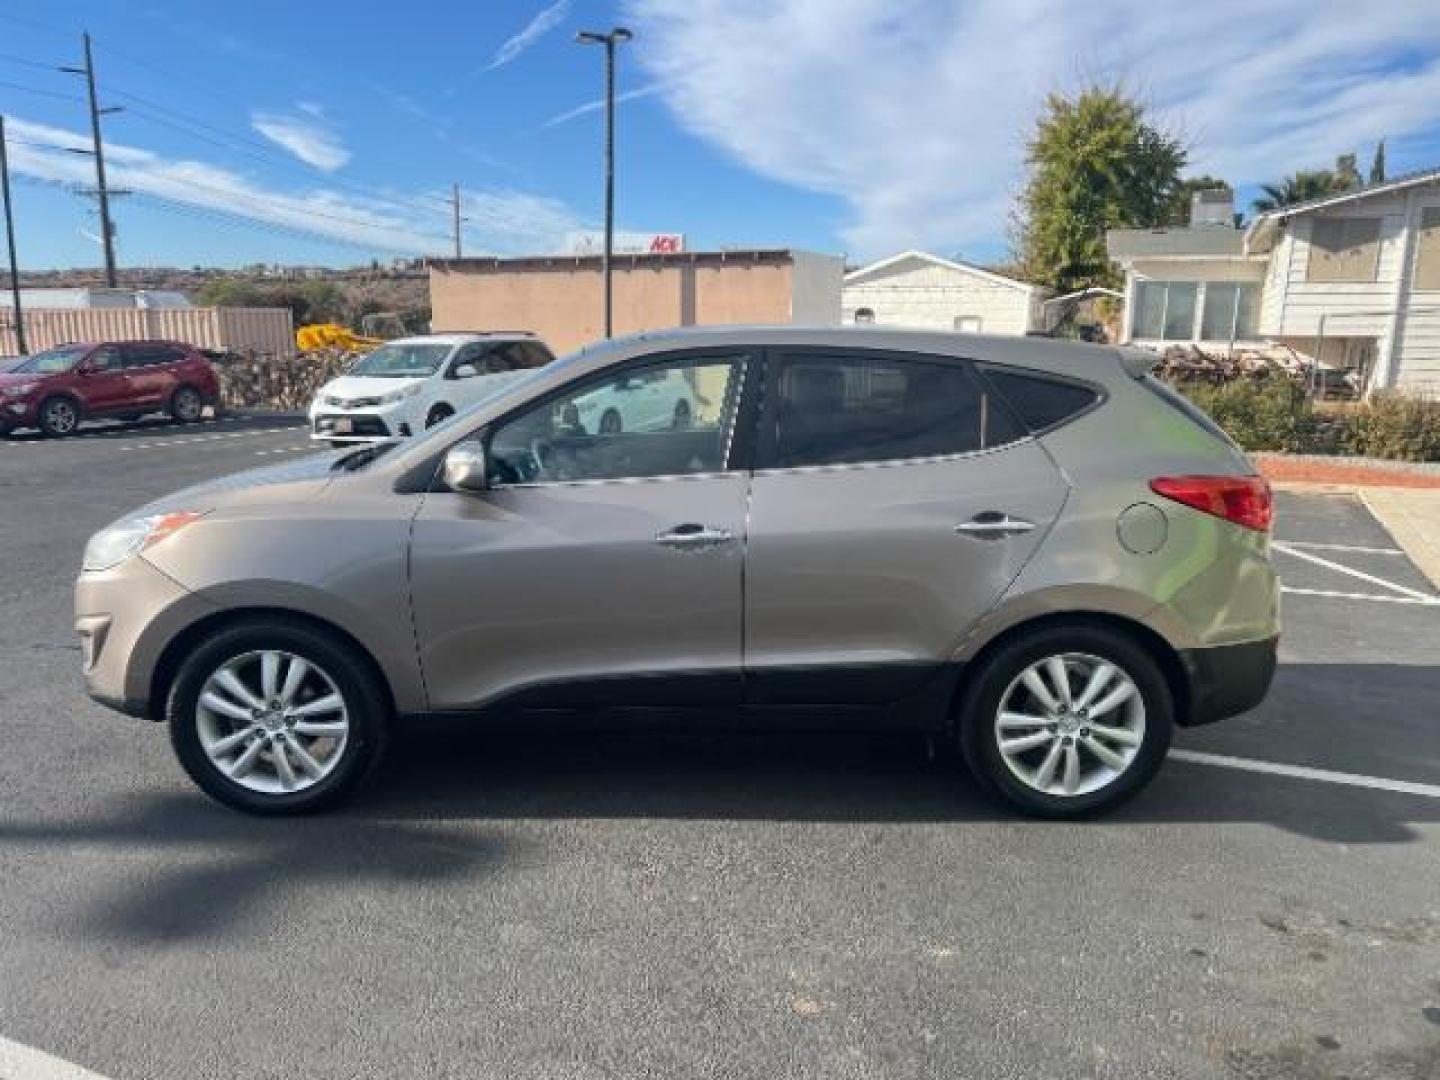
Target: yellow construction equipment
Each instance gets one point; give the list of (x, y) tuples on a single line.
[(332, 336)]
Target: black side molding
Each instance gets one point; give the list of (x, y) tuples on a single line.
[(1228, 679)]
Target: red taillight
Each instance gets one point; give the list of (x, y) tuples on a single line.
[(1245, 500)]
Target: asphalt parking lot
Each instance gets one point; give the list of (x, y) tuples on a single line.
[(720, 906)]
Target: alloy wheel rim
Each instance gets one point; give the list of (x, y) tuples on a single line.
[(1070, 724), (188, 405), (272, 722), (62, 416)]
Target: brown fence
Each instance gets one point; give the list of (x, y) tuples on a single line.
[(244, 330)]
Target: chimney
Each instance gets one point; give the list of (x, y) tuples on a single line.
[(1212, 207)]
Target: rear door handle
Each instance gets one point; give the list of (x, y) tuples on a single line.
[(994, 523), (691, 537)]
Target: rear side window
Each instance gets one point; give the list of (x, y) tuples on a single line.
[(838, 410), (148, 355), (1041, 403)]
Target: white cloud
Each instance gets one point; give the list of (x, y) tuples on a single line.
[(500, 221), (595, 106), (308, 137), (534, 30), (915, 112)]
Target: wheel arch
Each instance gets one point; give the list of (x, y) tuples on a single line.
[(166, 668), (1166, 656)]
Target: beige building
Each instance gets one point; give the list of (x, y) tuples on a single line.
[(560, 297)]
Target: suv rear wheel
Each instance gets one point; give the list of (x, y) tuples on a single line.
[(186, 405), (274, 717), (1068, 721)]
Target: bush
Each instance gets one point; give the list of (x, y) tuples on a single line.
[(1398, 426), (1269, 412)]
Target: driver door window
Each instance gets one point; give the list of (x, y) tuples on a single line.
[(659, 420)]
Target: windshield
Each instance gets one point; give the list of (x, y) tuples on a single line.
[(52, 361), (397, 361)]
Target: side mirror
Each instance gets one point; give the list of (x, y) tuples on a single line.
[(465, 469), (466, 371)]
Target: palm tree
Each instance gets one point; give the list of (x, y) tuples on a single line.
[(1302, 187)]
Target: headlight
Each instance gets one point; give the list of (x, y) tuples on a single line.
[(17, 391), (400, 395), (114, 544)]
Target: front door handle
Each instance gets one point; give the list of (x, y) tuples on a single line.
[(994, 523), (692, 537)]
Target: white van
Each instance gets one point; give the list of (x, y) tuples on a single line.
[(410, 384)]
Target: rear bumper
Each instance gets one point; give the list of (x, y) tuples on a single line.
[(1228, 679)]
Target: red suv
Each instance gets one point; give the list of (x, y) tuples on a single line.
[(54, 390)]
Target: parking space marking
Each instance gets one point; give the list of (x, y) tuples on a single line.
[(1305, 772), (21, 1062), (1351, 548), (1333, 594), (1339, 568), (287, 450), (178, 441)]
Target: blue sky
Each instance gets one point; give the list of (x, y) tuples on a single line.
[(330, 133)]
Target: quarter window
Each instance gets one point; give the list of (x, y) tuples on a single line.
[(836, 410), (1040, 402), (658, 420)]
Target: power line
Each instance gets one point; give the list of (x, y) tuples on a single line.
[(38, 92)]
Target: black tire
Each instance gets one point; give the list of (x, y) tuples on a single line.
[(58, 417), (365, 702), (438, 414), (611, 423), (187, 405), (979, 709), (681, 419)]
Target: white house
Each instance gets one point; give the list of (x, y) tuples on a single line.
[(917, 289), (1352, 279)]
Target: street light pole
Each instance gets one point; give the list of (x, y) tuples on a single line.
[(615, 37), (10, 243)]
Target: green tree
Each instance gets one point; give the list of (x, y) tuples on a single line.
[(1377, 164), (1301, 187), (1095, 164), (309, 302), (1347, 173), (1178, 212)]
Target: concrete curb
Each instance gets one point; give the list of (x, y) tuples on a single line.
[(1412, 516)]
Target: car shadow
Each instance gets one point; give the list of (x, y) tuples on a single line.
[(159, 426)]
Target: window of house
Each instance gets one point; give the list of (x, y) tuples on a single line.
[(1180, 299), (1344, 249), (1229, 311), (836, 410), (967, 324), (865, 315), (1165, 310), (1427, 250)]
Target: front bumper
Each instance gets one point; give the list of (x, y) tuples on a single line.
[(125, 616), (1228, 679), (16, 413), (368, 426)]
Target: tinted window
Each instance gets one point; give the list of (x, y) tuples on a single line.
[(105, 359), (835, 410), (146, 355), (1040, 402), (536, 355), (662, 420)]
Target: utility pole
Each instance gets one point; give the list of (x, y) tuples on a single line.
[(10, 242), (102, 192), (455, 215), (615, 37)]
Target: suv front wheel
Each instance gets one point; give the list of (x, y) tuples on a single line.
[(1068, 721), (275, 717)]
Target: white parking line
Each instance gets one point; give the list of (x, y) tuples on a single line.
[(1304, 772), (282, 450), (1353, 549), (20, 1062), (180, 441), (1349, 571), (1332, 594)]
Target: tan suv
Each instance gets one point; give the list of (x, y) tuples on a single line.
[(1032, 547)]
